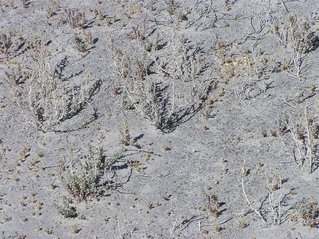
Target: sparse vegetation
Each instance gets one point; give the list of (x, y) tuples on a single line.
[(229, 87), (307, 209), (241, 223), (212, 205), (80, 184), (155, 72), (67, 211), (125, 139), (76, 18), (304, 135), (46, 96), (89, 175), (82, 176)]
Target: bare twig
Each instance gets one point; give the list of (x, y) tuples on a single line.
[(294, 137), (249, 203), (309, 144), (283, 3)]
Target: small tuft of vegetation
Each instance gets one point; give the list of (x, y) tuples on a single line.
[(87, 175), (80, 184), (212, 204), (67, 211), (307, 209)]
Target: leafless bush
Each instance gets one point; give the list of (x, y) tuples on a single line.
[(299, 35), (271, 209), (166, 80), (49, 97), (305, 137)]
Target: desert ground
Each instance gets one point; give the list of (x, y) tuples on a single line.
[(159, 119)]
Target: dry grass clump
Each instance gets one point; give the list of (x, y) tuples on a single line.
[(212, 204), (303, 38), (76, 18), (237, 62), (307, 209)]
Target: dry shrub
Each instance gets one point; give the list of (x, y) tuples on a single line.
[(50, 98), (166, 78), (303, 38)]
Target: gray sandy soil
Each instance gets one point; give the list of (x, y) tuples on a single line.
[(159, 119)]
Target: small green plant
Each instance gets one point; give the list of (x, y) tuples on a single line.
[(83, 177), (96, 156), (110, 160), (282, 120), (281, 125), (308, 210), (67, 211), (126, 102), (80, 184), (81, 181)]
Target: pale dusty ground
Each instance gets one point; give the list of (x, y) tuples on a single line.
[(240, 152)]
